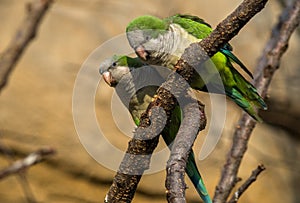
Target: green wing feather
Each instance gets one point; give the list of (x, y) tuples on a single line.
[(235, 59), (245, 95), (192, 24)]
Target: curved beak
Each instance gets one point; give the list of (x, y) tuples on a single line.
[(107, 77), (141, 52)]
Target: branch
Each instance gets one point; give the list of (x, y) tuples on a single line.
[(230, 26), (267, 65), (247, 183), (31, 159), (125, 183), (194, 117), (24, 35), (137, 158)]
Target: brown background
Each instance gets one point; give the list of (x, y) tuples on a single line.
[(36, 105)]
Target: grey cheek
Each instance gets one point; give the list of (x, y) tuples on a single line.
[(152, 45), (135, 38)]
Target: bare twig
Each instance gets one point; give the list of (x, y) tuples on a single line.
[(124, 184), (31, 159), (267, 65), (235, 197), (24, 35), (21, 176)]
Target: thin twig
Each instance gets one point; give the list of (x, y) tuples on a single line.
[(235, 197), (25, 33), (267, 65), (125, 182), (31, 159)]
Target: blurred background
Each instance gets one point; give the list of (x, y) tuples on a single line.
[(36, 104)]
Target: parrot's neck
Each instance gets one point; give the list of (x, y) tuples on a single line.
[(171, 45), (136, 88), (126, 89)]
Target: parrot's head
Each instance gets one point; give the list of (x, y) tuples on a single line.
[(114, 68), (143, 32)]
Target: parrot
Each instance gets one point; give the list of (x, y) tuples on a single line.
[(162, 42), (121, 72)]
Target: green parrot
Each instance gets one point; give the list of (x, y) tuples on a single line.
[(163, 41), (128, 76)]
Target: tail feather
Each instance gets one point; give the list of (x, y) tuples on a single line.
[(259, 100), (194, 175), (226, 51), (241, 101), (245, 95)]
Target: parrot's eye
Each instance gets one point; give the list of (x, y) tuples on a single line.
[(147, 38), (114, 64)]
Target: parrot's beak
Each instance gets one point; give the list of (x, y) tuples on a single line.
[(141, 52), (108, 78)]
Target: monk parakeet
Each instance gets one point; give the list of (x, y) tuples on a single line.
[(127, 75), (163, 41)]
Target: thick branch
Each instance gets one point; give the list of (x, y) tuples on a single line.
[(30, 160), (236, 196), (267, 65), (194, 119), (137, 158), (230, 26), (124, 185), (25, 34)]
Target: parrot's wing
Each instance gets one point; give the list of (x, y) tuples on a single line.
[(192, 24), (232, 57)]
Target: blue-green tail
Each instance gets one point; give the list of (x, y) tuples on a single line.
[(192, 172), (194, 175), (245, 95)]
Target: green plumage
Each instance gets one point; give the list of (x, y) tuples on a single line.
[(192, 24), (139, 103), (243, 93)]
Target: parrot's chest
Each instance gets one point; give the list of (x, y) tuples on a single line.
[(140, 101), (173, 44)]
